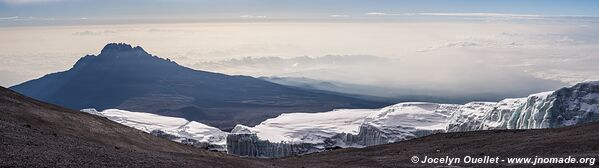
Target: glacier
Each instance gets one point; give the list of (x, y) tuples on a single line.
[(564, 107), (173, 128), (301, 133)]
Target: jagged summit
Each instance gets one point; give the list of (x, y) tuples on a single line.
[(122, 55), (118, 49)]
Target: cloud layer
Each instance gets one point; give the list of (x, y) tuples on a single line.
[(449, 57)]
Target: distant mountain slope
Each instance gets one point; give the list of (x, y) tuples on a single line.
[(390, 93), (36, 134), (350, 90), (129, 78)]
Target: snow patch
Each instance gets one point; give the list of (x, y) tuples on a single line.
[(179, 129)]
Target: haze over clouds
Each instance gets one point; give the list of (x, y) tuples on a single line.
[(480, 50), (455, 57)]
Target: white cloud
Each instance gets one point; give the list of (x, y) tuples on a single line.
[(9, 18), (253, 16), (492, 16), (420, 75), (19, 18), (10, 78), (506, 40), (382, 14), (93, 33), (338, 16), (267, 66), (480, 14), (31, 18), (455, 14)]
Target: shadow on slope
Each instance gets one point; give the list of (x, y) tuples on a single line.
[(37, 134)]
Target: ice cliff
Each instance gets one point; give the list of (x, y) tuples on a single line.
[(563, 107), (300, 133)]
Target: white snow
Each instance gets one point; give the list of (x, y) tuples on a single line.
[(179, 127), (315, 128), (311, 127), (417, 115), (92, 111), (541, 95), (242, 129)]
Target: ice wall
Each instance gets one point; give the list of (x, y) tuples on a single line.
[(564, 107)]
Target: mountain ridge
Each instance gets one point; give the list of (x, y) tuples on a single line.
[(129, 78)]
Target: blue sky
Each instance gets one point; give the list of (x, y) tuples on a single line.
[(133, 9)]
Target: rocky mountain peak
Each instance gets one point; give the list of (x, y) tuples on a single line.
[(122, 49)]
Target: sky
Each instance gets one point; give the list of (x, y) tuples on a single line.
[(94, 11), (458, 47)]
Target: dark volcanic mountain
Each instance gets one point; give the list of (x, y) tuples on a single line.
[(37, 134), (129, 78)]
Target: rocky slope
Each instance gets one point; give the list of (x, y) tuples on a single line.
[(37, 134)]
